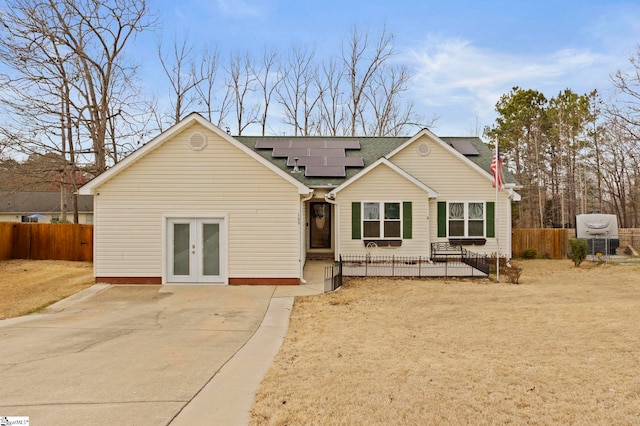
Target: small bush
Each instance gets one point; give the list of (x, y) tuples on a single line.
[(512, 272), (492, 263), (530, 253), (578, 250)]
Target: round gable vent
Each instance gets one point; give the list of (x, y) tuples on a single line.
[(423, 149), (197, 141)]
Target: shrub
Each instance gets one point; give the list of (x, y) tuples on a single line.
[(512, 272), (530, 253), (578, 250)]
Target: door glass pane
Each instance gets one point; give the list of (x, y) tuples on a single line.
[(210, 249), (181, 249)]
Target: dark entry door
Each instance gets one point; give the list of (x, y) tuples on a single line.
[(320, 225)]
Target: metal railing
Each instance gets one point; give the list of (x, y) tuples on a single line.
[(332, 277), (469, 265)]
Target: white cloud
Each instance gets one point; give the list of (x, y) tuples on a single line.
[(238, 8), (452, 76)]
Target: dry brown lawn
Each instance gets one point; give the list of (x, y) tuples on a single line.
[(30, 285), (563, 347)]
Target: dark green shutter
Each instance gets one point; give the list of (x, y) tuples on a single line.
[(442, 219), (491, 225), (407, 217), (356, 220)]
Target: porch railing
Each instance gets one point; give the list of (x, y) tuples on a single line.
[(332, 277), (468, 265)]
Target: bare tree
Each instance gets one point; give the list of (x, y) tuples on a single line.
[(363, 61), (296, 91), (180, 69), (268, 76), (216, 107), (66, 56), (241, 84), (332, 115)]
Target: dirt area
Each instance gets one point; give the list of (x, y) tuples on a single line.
[(31, 285), (559, 348)]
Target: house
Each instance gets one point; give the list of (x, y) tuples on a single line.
[(196, 205), (42, 207)]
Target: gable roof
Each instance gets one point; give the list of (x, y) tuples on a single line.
[(383, 161), (371, 150), (190, 120), (31, 202)]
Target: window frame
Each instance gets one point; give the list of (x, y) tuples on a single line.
[(466, 219), (382, 220)]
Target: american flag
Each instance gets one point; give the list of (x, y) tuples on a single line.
[(496, 170)]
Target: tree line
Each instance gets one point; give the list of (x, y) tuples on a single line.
[(572, 153)]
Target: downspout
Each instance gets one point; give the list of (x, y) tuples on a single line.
[(330, 198), (303, 231)]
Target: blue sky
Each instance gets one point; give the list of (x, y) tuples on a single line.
[(464, 54)]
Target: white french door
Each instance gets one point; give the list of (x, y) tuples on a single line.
[(195, 251)]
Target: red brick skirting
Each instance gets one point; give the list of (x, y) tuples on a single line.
[(129, 280), (232, 281), (264, 281)]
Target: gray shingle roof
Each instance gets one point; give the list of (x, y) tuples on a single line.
[(371, 149), (31, 202)]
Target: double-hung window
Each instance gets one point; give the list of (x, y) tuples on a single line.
[(382, 220), (466, 219)]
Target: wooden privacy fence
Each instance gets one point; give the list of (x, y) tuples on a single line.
[(551, 243), (554, 243), (40, 241)]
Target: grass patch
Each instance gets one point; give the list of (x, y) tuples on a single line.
[(28, 286), (561, 348)]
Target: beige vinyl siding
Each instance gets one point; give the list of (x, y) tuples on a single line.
[(455, 181), (383, 184), (261, 210)]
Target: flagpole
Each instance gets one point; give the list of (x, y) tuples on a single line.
[(496, 214)]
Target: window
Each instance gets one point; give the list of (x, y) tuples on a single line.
[(466, 220), (381, 220)]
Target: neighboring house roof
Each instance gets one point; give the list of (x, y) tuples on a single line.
[(31, 202), (371, 150)]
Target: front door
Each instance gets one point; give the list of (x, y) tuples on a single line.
[(195, 250), (320, 225)]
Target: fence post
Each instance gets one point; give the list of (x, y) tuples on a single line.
[(393, 265)]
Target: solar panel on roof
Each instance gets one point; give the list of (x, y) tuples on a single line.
[(343, 143), (321, 157), (327, 152), (345, 161), (307, 161), (307, 143), (325, 171), (273, 143), (290, 152), (464, 147)]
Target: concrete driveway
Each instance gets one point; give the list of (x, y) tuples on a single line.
[(139, 355)]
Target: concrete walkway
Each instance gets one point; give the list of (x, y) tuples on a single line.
[(227, 397), (146, 355)]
